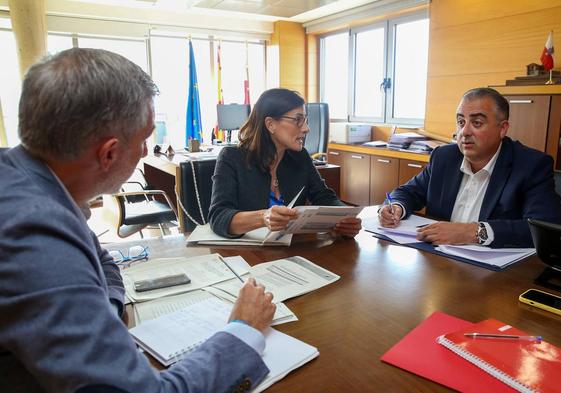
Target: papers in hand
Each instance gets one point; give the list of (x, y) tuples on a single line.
[(314, 219), (172, 336)]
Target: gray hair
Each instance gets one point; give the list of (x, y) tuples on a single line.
[(78, 96), (501, 103)]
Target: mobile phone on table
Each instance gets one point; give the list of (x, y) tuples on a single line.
[(161, 282), (540, 299)]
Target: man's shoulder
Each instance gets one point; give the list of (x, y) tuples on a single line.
[(520, 150)]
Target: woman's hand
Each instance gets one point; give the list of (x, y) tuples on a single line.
[(348, 227), (276, 218)]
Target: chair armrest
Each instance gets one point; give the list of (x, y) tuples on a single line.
[(148, 193)]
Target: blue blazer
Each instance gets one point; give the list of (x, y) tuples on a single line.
[(521, 187)]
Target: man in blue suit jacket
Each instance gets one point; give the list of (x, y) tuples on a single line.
[(485, 187), (84, 118)]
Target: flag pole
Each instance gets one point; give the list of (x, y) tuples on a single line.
[(550, 81)]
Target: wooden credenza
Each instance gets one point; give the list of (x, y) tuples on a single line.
[(535, 121), (368, 173)]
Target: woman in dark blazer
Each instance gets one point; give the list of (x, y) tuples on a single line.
[(253, 183)]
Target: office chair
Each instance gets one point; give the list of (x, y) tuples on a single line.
[(195, 191), (547, 240), (139, 209), (318, 122)]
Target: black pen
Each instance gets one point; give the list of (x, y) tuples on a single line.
[(420, 226)]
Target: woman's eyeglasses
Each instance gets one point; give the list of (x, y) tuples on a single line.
[(299, 120)]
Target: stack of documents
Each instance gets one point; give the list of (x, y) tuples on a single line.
[(146, 311), (406, 233), (404, 140), (284, 278), (204, 270), (258, 237), (500, 257), (170, 337)]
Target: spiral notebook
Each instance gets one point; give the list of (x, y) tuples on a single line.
[(526, 366), (170, 337), (173, 335)]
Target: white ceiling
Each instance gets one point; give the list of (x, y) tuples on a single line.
[(267, 10)]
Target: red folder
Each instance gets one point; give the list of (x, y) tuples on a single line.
[(525, 365), (419, 353)]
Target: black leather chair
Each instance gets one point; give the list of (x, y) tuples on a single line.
[(196, 191), (547, 240), (140, 207), (318, 121)]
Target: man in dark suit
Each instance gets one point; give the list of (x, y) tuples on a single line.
[(485, 187)]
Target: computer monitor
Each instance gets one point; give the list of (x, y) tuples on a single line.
[(546, 236), (231, 117)]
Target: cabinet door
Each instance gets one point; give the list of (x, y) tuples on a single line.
[(383, 177), (356, 183), (528, 120), (337, 157), (409, 169)]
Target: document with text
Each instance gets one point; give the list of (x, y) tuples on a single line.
[(284, 278), (202, 270)]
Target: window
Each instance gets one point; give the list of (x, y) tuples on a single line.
[(172, 78), (167, 59), (10, 88), (335, 67), (134, 50), (377, 73)]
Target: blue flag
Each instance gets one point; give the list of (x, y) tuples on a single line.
[(193, 127)]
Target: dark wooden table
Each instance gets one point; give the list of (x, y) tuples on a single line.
[(384, 292)]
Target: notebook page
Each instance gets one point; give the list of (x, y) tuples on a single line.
[(172, 335)]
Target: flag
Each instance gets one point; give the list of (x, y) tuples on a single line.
[(246, 100), (547, 53), (218, 133), (193, 128)]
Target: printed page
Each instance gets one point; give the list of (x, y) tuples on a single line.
[(203, 271), (285, 278)]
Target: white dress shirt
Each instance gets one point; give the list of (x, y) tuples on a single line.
[(471, 193)]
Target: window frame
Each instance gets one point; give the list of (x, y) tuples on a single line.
[(390, 27)]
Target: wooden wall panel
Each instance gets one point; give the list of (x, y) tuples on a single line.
[(480, 43), (312, 69), (292, 55)]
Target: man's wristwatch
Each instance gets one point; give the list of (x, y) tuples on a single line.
[(481, 233)]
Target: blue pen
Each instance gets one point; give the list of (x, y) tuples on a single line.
[(389, 199)]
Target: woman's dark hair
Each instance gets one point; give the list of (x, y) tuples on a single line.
[(254, 136)]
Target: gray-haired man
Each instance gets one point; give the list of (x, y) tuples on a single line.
[(84, 119)]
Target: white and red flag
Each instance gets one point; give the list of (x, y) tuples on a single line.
[(547, 54)]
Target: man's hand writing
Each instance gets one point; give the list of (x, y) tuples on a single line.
[(254, 306), (389, 219)]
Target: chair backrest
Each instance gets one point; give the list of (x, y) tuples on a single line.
[(196, 190), (318, 121), (547, 240)]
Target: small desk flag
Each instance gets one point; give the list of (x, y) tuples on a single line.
[(547, 53)]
